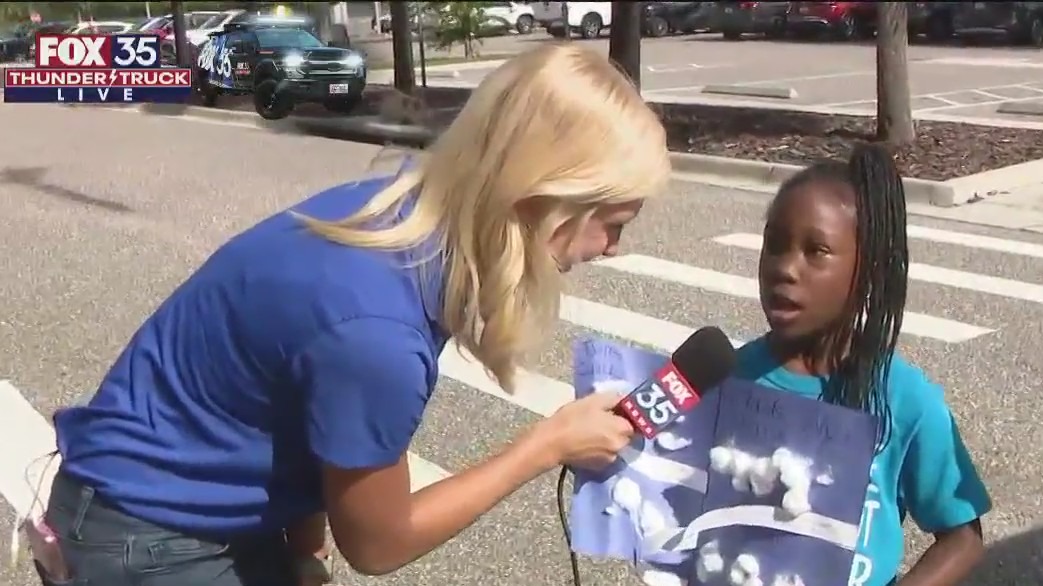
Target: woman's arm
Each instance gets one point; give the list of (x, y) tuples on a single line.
[(950, 559), (365, 384), (379, 526), (308, 537)]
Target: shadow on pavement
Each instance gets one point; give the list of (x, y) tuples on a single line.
[(1016, 561), (33, 178)]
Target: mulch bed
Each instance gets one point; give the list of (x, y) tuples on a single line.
[(942, 150)]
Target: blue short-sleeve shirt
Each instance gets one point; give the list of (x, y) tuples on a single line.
[(924, 470), (282, 351)]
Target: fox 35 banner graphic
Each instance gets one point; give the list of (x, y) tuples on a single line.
[(216, 63)]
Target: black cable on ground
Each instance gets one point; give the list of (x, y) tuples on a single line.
[(563, 516)]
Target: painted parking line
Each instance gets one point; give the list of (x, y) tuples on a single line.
[(917, 324), (928, 273)]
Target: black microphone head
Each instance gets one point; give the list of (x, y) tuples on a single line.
[(705, 359)]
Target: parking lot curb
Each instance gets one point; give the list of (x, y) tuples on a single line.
[(705, 168), (767, 177)]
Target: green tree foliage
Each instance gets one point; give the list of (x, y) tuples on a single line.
[(459, 23)]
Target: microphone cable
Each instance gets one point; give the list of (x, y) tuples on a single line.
[(564, 518)]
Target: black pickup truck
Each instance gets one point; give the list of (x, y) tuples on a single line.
[(280, 62)]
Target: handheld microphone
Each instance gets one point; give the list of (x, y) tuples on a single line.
[(702, 362)]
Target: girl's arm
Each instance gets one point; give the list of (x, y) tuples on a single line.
[(943, 492), (950, 559)]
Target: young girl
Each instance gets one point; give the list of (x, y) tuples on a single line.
[(833, 274)]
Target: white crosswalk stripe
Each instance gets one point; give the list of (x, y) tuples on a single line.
[(543, 395)]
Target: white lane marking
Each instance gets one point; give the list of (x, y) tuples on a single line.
[(927, 273), (423, 473), (621, 323), (976, 241), (917, 324), (30, 438), (773, 81)]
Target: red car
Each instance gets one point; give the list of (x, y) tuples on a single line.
[(842, 20)]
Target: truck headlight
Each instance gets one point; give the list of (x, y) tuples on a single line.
[(293, 61), (353, 61)]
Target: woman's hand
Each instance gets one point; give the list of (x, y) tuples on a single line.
[(586, 433)]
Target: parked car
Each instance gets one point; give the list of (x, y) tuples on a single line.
[(216, 23), (1021, 22), (520, 18), (663, 18), (933, 20), (735, 19), (19, 42), (842, 20), (280, 62), (92, 27), (588, 19)]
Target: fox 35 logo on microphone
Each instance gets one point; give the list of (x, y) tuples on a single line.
[(97, 68), (97, 51)]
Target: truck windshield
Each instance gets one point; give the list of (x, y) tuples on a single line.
[(272, 38)]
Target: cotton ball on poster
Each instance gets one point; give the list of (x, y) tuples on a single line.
[(672, 442), (661, 578), (619, 387), (722, 459), (787, 580), (796, 502), (651, 519), (825, 479), (710, 562), (794, 472), (748, 564), (627, 494), (763, 475), (744, 571)]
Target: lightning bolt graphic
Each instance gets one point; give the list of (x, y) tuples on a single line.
[(112, 77)]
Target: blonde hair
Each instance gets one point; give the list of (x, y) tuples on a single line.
[(559, 123)]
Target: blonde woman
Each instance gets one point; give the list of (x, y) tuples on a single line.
[(281, 384)]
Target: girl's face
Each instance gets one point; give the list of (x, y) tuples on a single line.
[(577, 242), (808, 260)]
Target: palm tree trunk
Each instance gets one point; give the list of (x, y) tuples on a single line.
[(624, 43), (402, 47), (894, 117)]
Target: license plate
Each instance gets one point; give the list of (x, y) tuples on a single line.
[(979, 6), (340, 88), (805, 10), (729, 10)]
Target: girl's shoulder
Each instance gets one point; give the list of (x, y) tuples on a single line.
[(912, 394)]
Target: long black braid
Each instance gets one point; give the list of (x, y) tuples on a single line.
[(861, 346)]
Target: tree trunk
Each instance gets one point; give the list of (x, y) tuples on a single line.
[(624, 43), (321, 12), (894, 116), (402, 47), (181, 53)]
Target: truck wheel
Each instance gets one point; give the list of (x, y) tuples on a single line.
[(268, 103), (590, 27), (206, 93), (657, 27), (524, 24)]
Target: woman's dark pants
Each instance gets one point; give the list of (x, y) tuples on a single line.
[(104, 547)]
